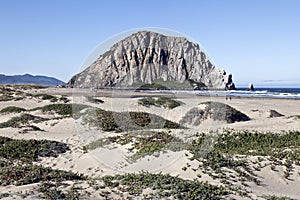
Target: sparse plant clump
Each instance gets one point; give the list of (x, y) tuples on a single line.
[(226, 149), (94, 100), (276, 198), (49, 97), (64, 99), (161, 101), (24, 119), (12, 109), (51, 191), (27, 86), (17, 156), (274, 113), (164, 186), (142, 143), (29, 173), (62, 109), (7, 93)]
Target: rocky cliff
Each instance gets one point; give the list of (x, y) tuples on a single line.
[(147, 56)]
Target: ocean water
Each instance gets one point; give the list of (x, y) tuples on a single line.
[(281, 93), (285, 93)]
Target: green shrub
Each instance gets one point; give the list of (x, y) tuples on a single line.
[(46, 97), (62, 109), (276, 198), (143, 143), (30, 150), (12, 109), (29, 173), (126, 121), (218, 150), (161, 101), (165, 186), (64, 99), (24, 119)]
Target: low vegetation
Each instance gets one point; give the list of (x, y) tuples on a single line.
[(171, 85), (24, 119), (64, 99), (216, 111), (17, 157), (94, 100), (125, 121), (165, 102), (12, 109), (26, 86), (62, 109), (274, 113), (142, 143), (52, 190), (230, 149), (10, 94), (30, 150), (29, 173), (276, 198), (152, 86), (164, 186), (49, 97)]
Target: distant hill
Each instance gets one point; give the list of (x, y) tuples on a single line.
[(30, 79)]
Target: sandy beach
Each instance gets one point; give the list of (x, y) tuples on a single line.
[(115, 157)]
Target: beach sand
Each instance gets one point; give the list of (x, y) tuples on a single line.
[(111, 161)]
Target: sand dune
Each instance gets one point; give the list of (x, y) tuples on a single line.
[(113, 158)]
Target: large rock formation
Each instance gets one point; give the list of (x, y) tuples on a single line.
[(147, 56)]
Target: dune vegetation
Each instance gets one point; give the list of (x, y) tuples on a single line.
[(164, 102)]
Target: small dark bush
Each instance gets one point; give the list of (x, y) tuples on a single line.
[(12, 109), (161, 101), (46, 97), (94, 100), (24, 119), (62, 109), (274, 113)]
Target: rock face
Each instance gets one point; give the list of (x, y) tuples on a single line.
[(148, 56)]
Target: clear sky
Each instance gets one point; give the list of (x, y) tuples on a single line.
[(255, 40)]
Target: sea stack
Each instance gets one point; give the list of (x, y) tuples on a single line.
[(145, 57), (250, 87)]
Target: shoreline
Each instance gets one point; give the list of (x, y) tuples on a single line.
[(128, 93)]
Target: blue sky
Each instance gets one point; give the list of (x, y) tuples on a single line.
[(255, 40)]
